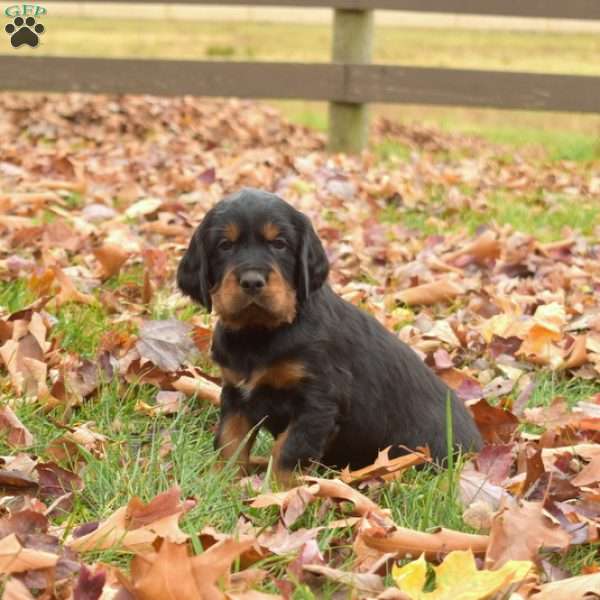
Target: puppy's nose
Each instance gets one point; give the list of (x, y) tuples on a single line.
[(252, 282)]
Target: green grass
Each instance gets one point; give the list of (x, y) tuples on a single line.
[(523, 213), (15, 294), (133, 465), (553, 136)]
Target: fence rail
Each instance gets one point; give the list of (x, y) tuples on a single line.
[(308, 81), (349, 83)]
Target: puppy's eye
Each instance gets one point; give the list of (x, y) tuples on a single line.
[(278, 244), (225, 245)]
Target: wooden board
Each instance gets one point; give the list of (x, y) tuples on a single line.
[(309, 81)]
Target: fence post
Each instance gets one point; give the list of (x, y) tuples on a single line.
[(352, 44)]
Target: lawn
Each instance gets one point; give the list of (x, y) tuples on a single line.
[(101, 196)]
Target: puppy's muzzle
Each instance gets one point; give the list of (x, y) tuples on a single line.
[(252, 282)]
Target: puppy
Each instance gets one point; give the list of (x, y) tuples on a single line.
[(327, 380)]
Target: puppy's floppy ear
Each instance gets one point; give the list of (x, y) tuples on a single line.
[(313, 265), (193, 277)]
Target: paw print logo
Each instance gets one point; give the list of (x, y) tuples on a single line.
[(24, 31)]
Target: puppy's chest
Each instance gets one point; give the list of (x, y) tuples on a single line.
[(254, 380)]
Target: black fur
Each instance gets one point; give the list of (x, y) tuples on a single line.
[(364, 389)]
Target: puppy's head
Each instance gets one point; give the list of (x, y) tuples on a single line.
[(255, 258)]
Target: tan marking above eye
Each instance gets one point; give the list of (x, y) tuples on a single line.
[(231, 232), (270, 231)]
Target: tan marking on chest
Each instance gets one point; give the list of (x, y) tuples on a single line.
[(280, 375)]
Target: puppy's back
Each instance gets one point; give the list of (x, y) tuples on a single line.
[(394, 397)]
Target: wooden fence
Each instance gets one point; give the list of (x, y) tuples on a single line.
[(349, 82)]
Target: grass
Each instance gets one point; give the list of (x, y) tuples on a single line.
[(525, 214), (135, 466), (553, 136)]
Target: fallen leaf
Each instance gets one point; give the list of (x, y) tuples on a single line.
[(15, 590), (172, 573), (145, 206), (407, 542), (136, 526), (430, 293), (458, 577), (89, 586), (111, 258), (385, 467), (495, 424), (200, 387), (363, 583), (68, 292), (584, 587), (166, 343), (15, 558), (16, 433), (507, 541), (589, 475), (17, 482), (334, 488), (79, 436)]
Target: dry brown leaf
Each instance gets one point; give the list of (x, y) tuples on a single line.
[(495, 424), (507, 539), (334, 488), (431, 293), (15, 590), (137, 526), (167, 575), (482, 248), (14, 353), (589, 475), (68, 292), (111, 258), (166, 343), (171, 573), (584, 587), (364, 583), (15, 433), (81, 435), (400, 541), (15, 558), (385, 467), (577, 354), (200, 387)]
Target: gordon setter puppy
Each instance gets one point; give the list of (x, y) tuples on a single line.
[(329, 382)]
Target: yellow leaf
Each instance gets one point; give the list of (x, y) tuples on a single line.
[(551, 316), (411, 577), (458, 578)]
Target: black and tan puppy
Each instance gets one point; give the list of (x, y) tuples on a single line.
[(328, 381)]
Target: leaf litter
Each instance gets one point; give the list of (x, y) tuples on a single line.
[(98, 199)]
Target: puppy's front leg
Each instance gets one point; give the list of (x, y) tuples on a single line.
[(233, 429), (304, 440)]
